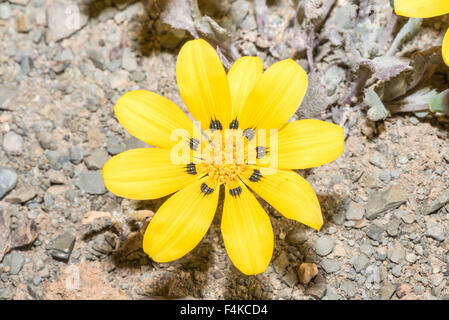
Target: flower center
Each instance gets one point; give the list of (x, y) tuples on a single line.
[(224, 173), (224, 160)]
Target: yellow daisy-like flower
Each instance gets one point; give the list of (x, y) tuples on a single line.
[(245, 100), (425, 9)]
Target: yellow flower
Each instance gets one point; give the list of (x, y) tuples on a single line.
[(245, 100), (425, 9)]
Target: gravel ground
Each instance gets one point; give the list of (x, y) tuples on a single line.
[(63, 236)]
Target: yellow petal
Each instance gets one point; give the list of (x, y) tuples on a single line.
[(242, 78), (275, 97), (308, 143), (421, 8), (288, 193), (146, 173), (446, 47), (247, 232), (151, 118), (203, 84), (180, 223)]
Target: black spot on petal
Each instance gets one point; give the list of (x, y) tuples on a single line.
[(191, 169), (235, 192), (234, 124), (249, 134), (215, 125), (261, 152), (255, 177), (206, 189), (194, 143)]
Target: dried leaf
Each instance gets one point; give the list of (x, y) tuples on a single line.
[(185, 15), (177, 14)]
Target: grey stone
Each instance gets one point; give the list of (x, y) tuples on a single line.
[(330, 266), (239, 10), (20, 2), (12, 143), (63, 20), (129, 61), (70, 195), (366, 248), (92, 104), (91, 182), (385, 200), (386, 290), (76, 154), (403, 160), (115, 146), (280, 264), (61, 246), (26, 64), (129, 13), (339, 217), (396, 270), (5, 230), (349, 288), (138, 76), (436, 231), (97, 159), (360, 263), (385, 176), (4, 277), (5, 293), (15, 260), (354, 211), (107, 13), (395, 173), (375, 232), (376, 160), (6, 93), (296, 236), (324, 245), (55, 158), (97, 57), (8, 180), (396, 252), (414, 120), (134, 143), (331, 294), (435, 205), (56, 177), (22, 195), (372, 274), (46, 140), (34, 292), (290, 278), (5, 11), (393, 227), (317, 291), (37, 280)]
